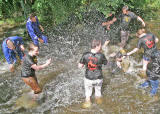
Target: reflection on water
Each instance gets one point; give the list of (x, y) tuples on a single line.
[(62, 82)]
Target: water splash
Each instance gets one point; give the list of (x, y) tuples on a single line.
[(63, 91)]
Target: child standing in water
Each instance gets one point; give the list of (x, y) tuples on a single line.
[(148, 42), (153, 74), (125, 19), (93, 61), (29, 66)]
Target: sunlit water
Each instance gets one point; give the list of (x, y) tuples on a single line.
[(62, 82)]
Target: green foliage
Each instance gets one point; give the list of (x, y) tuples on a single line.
[(0, 8), (58, 11), (106, 6)]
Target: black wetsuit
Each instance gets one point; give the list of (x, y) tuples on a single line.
[(153, 73), (28, 61), (148, 43), (93, 63), (153, 67)]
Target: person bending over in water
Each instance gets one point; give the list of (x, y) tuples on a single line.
[(35, 30), (153, 74), (29, 66), (148, 42), (93, 61), (116, 65), (13, 46)]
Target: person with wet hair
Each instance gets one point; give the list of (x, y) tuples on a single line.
[(93, 61), (125, 19), (29, 66), (13, 46), (35, 30), (153, 74), (147, 41)]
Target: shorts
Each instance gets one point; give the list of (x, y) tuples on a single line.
[(146, 58), (89, 84), (33, 83)]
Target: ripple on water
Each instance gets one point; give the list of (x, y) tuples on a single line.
[(65, 93)]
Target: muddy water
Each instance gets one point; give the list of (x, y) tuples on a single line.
[(62, 82)]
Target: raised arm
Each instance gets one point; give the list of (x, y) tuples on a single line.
[(141, 20), (108, 23), (39, 67)]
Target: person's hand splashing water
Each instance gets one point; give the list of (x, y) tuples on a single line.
[(48, 61)]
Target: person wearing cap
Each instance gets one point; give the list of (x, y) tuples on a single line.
[(35, 30), (13, 46), (125, 19)]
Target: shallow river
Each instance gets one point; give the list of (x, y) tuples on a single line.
[(62, 82)]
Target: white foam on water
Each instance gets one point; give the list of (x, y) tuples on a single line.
[(4, 67), (133, 63)]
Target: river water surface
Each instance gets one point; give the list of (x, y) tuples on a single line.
[(62, 81)]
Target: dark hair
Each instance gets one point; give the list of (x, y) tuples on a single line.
[(95, 43), (125, 7), (141, 31), (32, 15), (31, 47)]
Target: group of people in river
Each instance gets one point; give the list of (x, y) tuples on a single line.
[(14, 46), (92, 60)]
